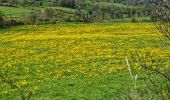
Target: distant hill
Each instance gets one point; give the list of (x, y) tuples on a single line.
[(76, 10)]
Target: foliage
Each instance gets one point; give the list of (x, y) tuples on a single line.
[(30, 18), (156, 70), (89, 10), (48, 13), (133, 20), (1, 17), (161, 17)]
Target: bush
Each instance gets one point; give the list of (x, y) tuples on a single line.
[(1, 19), (133, 20), (30, 18), (154, 70), (96, 16), (67, 3), (161, 17), (48, 13)]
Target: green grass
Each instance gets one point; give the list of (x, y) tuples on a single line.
[(75, 61), (14, 11), (97, 88), (64, 9)]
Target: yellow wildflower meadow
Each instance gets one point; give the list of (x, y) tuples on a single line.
[(38, 53)]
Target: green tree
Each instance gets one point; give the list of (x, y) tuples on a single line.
[(67, 3), (30, 18), (1, 18), (48, 13), (26, 2), (161, 17)]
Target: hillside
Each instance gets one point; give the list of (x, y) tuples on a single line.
[(52, 11)]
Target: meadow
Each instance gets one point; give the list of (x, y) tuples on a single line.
[(76, 61), (14, 11)]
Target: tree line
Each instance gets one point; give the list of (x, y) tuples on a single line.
[(83, 10)]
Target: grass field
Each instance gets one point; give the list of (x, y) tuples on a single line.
[(18, 13), (21, 10), (76, 61), (14, 11)]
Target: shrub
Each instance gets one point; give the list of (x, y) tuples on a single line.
[(30, 18), (155, 71), (1, 19), (161, 17), (133, 20), (48, 13)]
